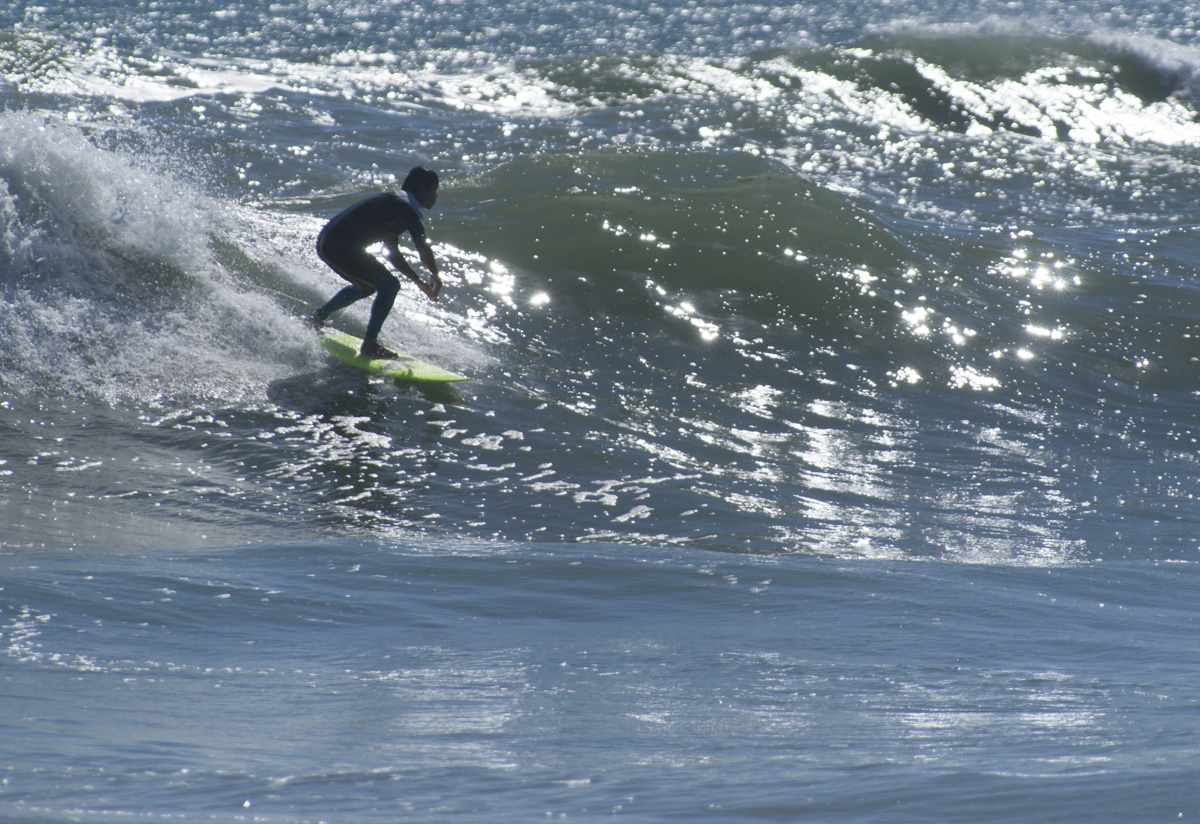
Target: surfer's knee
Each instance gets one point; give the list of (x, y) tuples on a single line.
[(388, 286)]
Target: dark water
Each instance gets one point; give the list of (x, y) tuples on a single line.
[(761, 304)]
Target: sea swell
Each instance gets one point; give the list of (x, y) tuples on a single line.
[(921, 293)]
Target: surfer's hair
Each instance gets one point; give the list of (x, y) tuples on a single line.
[(420, 178)]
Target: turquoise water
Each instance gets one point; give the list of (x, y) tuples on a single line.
[(829, 453)]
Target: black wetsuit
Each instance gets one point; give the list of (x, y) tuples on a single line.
[(343, 244)]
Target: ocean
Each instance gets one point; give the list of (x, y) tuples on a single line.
[(830, 451)]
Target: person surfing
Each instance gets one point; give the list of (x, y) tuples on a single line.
[(380, 218)]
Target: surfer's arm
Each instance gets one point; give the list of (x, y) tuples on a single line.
[(426, 253), (434, 286)]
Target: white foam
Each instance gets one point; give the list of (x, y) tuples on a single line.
[(110, 286), (107, 73), (1177, 63), (1057, 99)]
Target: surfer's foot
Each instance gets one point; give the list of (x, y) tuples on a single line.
[(314, 321), (372, 349)]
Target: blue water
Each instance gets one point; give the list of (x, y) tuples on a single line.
[(350, 679), (830, 452)]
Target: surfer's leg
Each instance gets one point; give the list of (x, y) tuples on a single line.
[(367, 276), (351, 294), (386, 288), (354, 265)]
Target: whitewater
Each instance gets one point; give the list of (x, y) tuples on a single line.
[(829, 453)]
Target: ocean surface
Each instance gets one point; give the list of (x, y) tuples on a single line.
[(831, 450)]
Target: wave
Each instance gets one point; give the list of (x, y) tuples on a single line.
[(109, 284), (122, 280), (742, 331), (1011, 76), (978, 78), (746, 241), (659, 222)]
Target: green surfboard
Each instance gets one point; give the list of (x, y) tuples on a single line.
[(402, 367)]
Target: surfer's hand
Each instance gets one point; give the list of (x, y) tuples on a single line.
[(432, 288)]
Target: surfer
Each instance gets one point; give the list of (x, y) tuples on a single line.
[(381, 218)]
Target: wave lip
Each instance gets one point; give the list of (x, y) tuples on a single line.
[(1078, 87)]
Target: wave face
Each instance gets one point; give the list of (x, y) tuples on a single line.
[(925, 291)]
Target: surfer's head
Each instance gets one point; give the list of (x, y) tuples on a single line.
[(423, 183)]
